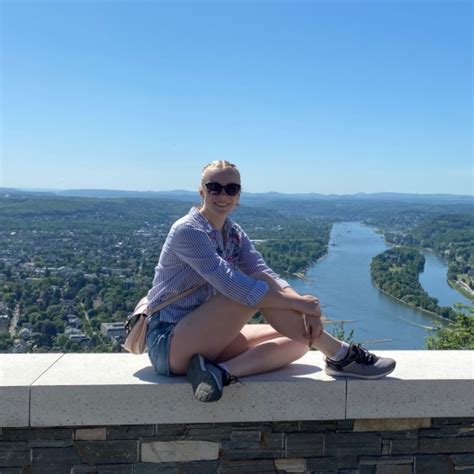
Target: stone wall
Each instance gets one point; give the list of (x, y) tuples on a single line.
[(110, 413), (375, 446)]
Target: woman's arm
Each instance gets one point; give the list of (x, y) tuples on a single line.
[(313, 325), (193, 247), (287, 298)]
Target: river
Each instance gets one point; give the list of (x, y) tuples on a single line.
[(433, 280), (342, 281)]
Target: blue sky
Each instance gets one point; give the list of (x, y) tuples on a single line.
[(305, 96)]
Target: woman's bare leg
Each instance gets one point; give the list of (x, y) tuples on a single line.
[(260, 348), (266, 356), (217, 324), (207, 331), (291, 324), (249, 336), (243, 357)]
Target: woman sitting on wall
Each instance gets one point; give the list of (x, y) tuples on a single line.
[(205, 334)]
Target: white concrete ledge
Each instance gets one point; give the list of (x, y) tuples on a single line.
[(111, 389), (18, 372)]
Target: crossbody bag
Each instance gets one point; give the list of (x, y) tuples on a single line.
[(136, 324)]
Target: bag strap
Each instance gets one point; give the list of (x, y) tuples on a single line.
[(174, 299)]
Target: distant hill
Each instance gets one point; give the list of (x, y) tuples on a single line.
[(249, 198)]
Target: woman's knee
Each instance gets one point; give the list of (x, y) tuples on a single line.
[(300, 349), (207, 331)]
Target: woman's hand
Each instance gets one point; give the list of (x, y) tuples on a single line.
[(309, 305), (313, 328)]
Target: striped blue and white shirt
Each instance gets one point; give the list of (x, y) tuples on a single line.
[(194, 253)]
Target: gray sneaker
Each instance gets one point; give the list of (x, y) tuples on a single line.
[(207, 379), (360, 363)]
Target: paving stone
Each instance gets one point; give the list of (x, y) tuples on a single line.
[(346, 444), (238, 467), (108, 452), (269, 447), (213, 433), (28, 434), (394, 469), (6, 446), (83, 469), (49, 443), (386, 446), (13, 454), (130, 431), (466, 430), (155, 468), (291, 465), (435, 464), (392, 424), (317, 426), (380, 460), (206, 425), (453, 421), (285, 426), (10, 470), (446, 445), (367, 469), (440, 432), (263, 427), (167, 432), (47, 469), (345, 425), (403, 446), (302, 445), (56, 456), (90, 434), (409, 434), (201, 467), (240, 439), (115, 469), (332, 463), (179, 451), (463, 459)]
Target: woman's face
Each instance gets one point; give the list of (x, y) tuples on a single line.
[(219, 204)]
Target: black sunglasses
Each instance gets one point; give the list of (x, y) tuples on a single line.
[(231, 189)]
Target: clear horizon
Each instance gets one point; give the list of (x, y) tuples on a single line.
[(338, 97), (196, 191)]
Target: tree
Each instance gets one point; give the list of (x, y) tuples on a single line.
[(5, 341), (458, 335)]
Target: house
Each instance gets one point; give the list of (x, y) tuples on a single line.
[(114, 330)]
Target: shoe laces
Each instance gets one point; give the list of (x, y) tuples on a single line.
[(363, 356), (228, 379)]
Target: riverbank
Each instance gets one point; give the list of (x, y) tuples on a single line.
[(423, 310), (341, 280), (457, 285), (301, 275), (462, 288)]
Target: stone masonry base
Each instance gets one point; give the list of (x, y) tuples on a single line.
[(376, 446)]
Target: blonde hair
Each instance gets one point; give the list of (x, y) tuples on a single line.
[(218, 165)]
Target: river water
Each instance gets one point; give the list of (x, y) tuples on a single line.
[(433, 280), (342, 282)]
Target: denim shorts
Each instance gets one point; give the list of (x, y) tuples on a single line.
[(158, 338)]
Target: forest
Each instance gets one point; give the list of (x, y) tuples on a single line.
[(448, 235), (396, 272)]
